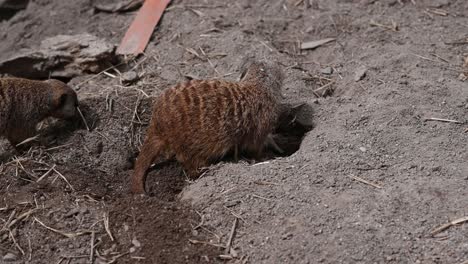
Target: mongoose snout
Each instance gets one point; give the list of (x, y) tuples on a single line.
[(64, 100)]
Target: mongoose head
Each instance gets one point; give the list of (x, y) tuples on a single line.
[(64, 101), (265, 74)]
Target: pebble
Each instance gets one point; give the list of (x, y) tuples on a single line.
[(327, 70), (129, 77), (360, 73), (10, 257)]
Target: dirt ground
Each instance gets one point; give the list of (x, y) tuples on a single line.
[(369, 184)]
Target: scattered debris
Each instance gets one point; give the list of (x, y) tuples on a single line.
[(124, 6), (62, 56), (356, 178), (443, 120), (138, 34), (450, 224), (392, 27), (227, 250), (360, 73), (316, 43), (436, 11)]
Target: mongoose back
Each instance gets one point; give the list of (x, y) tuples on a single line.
[(199, 121), (24, 103)]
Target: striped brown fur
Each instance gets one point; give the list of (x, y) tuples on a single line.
[(199, 121), (24, 103)]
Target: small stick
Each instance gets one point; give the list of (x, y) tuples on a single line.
[(201, 221), (106, 226), (57, 147), (365, 182), (109, 74), (16, 244), (68, 235), (20, 217), (261, 197), (393, 27), (91, 254), (82, 117), (211, 63), (10, 218), (450, 224), (63, 177), (227, 250), (46, 173), (324, 86), (443, 120), (260, 163), (27, 140), (30, 249), (193, 241), (264, 44)]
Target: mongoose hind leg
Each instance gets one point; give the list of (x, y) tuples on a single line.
[(151, 149)]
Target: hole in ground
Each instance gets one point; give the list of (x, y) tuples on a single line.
[(294, 123)]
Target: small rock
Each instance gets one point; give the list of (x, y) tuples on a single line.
[(130, 77), (10, 257), (231, 203), (13, 4), (65, 56), (360, 73), (363, 149), (287, 236), (463, 77), (327, 70), (136, 243)]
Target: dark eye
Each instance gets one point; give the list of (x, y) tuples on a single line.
[(62, 100)]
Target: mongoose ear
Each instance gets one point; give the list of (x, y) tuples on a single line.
[(244, 72), (61, 100)]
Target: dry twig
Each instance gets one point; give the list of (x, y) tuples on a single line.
[(106, 226), (66, 234), (82, 117), (443, 120), (450, 224), (227, 250), (365, 182)]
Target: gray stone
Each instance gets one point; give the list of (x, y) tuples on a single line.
[(9, 257), (65, 56)]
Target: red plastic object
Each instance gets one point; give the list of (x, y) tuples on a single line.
[(139, 33)]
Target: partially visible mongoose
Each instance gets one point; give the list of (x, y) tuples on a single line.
[(199, 121), (24, 103)]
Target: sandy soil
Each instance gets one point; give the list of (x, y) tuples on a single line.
[(369, 184)]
